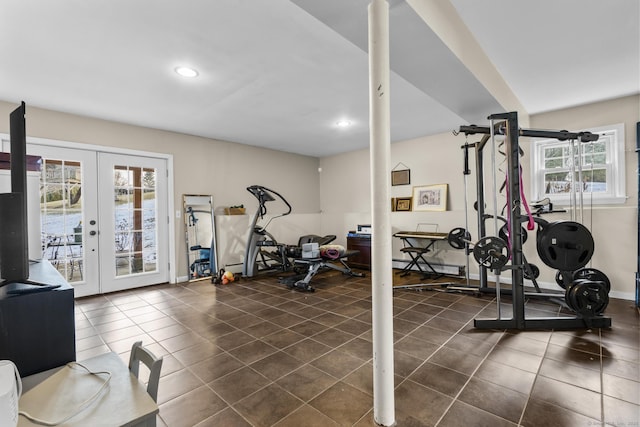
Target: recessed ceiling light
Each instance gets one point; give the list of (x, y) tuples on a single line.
[(186, 72), (343, 123)]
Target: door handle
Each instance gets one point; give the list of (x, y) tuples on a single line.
[(93, 233)]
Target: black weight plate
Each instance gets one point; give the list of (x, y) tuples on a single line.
[(504, 233), (567, 296), (565, 245), (588, 298), (603, 298), (571, 293), (457, 237), (570, 296), (594, 275), (563, 278), (531, 271), (491, 252)]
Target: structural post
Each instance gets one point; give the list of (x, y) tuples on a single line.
[(381, 266)]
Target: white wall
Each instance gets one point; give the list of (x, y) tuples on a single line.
[(201, 166), (345, 198)]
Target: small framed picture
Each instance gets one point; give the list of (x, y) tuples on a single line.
[(430, 198), (403, 204), (401, 177)]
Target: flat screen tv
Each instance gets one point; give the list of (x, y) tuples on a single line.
[(14, 243)]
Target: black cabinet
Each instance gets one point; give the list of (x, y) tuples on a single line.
[(37, 329)]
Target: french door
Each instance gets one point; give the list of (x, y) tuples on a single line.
[(103, 218), (133, 241)]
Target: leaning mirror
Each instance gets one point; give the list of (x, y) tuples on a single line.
[(200, 235)]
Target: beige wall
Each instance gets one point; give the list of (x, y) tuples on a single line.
[(201, 166), (346, 199), (345, 196)]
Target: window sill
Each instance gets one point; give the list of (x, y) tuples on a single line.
[(610, 200)]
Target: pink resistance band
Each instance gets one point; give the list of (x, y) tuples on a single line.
[(531, 225)]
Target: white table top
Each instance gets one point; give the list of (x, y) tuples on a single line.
[(124, 401), (432, 235)]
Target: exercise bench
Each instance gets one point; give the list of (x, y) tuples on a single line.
[(313, 265)]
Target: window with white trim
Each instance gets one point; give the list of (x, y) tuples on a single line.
[(602, 178)]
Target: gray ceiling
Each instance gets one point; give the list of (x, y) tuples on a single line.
[(281, 73)]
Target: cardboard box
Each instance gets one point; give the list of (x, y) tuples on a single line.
[(234, 211)]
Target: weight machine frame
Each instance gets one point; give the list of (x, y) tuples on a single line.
[(508, 126)]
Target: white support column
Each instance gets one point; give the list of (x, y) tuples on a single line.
[(381, 265)]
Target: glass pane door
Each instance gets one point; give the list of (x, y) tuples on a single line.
[(133, 218), (104, 218), (68, 213)]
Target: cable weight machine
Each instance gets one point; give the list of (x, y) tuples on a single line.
[(580, 293)]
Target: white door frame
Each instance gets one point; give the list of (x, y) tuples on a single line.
[(173, 266)]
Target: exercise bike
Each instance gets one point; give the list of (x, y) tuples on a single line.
[(264, 252)]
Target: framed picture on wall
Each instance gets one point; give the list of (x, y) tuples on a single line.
[(403, 204), (401, 177), (430, 197)]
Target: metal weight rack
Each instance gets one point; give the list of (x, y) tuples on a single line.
[(508, 126)]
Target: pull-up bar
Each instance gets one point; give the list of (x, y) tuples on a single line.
[(561, 135)]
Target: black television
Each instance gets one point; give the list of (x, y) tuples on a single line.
[(14, 233)]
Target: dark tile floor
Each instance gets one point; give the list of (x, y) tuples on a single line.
[(255, 353)]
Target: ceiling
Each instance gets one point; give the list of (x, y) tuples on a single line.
[(281, 73)]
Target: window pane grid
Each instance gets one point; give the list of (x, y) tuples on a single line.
[(602, 164), (135, 210), (61, 216)]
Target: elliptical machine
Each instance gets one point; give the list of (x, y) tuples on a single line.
[(263, 252)]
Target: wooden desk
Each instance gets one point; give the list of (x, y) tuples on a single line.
[(363, 246), (124, 402)]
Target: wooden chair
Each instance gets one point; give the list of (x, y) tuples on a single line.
[(153, 363)]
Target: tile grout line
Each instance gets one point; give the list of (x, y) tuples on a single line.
[(546, 349)]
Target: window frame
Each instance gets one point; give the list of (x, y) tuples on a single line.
[(614, 165)]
